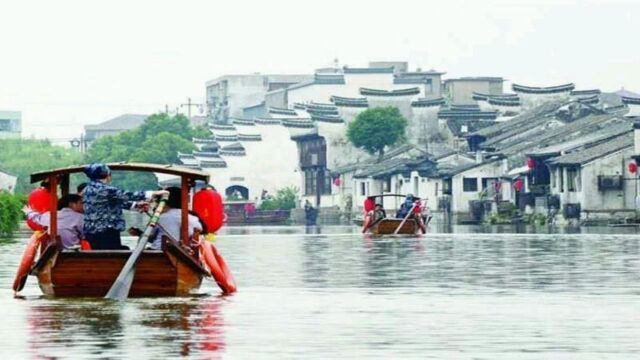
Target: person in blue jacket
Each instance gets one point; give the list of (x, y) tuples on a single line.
[(103, 204)]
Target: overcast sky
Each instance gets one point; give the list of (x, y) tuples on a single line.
[(65, 64)]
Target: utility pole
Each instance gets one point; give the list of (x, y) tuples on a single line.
[(189, 104)]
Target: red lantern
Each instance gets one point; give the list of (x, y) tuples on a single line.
[(518, 184), (207, 204), (531, 163), (39, 200), (633, 168)]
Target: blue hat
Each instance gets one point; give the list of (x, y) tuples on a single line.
[(97, 171)]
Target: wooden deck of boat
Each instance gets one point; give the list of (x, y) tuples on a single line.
[(172, 272)]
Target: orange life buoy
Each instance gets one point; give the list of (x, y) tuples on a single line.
[(28, 256), (218, 267)]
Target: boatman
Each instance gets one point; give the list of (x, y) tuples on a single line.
[(103, 205)]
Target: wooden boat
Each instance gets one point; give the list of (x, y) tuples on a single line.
[(389, 226), (175, 270), (243, 212)]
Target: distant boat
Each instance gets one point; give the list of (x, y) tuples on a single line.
[(244, 212)]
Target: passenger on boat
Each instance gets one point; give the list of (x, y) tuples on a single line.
[(170, 220), (405, 207), (379, 213), (103, 206), (70, 219)]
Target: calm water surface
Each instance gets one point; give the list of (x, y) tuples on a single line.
[(333, 293)]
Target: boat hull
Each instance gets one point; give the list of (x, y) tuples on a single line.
[(171, 272), (389, 226)]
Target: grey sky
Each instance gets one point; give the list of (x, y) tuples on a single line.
[(70, 63)]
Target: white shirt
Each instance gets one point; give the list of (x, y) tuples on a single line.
[(170, 221)]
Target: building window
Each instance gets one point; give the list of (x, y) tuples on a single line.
[(387, 185), (446, 187), (363, 188), (309, 182), (561, 179), (469, 184), (572, 176)]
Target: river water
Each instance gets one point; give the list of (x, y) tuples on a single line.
[(334, 293)]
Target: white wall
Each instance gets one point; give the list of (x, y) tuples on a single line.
[(460, 198)]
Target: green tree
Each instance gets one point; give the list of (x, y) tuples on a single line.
[(156, 141), (22, 157), (10, 213), (284, 199), (376, 128)]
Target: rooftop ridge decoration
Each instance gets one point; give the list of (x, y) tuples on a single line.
[(226, 137), (484, 97), (349, 102), (464, 107), (586, 92), (543, 90), (249, 137), (185, 155), (512, 102), (335, 79), (235, 149), (266, 121), (299, 106), (630, 100), (297, 123), (203, 140), (396, 92), (459, 114), (368, 70), (594, 99), (422, 102), (243, 122), (282, 111), (317, 105), (205, 154), (222, 127), (327, 118), (322, 111)]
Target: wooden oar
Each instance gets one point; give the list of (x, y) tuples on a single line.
[(405, 219), (120, 288)]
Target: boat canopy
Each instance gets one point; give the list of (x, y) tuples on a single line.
[(121, 166)]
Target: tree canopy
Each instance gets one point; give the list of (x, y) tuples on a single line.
[(22, 157), (157, 141), (376, 128), (285, 199)]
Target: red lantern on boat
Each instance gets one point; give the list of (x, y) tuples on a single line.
[(207, 203), (39, 200), (633, 168), (531, 163)]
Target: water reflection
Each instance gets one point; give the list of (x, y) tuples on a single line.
[(184, 327)]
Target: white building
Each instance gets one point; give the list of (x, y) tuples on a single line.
[(7, 181), (10, 124)]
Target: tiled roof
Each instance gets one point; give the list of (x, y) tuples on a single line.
[(349, 102), (243, 122), (585, 92), (428, 102), (543, 90), (583, 156), (297, 123), (395, 92), (631, 100), (327, 118), (249, 137), (282, 111), (235, 149)]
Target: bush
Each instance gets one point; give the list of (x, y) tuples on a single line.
[(285, 199), (10, 213)]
